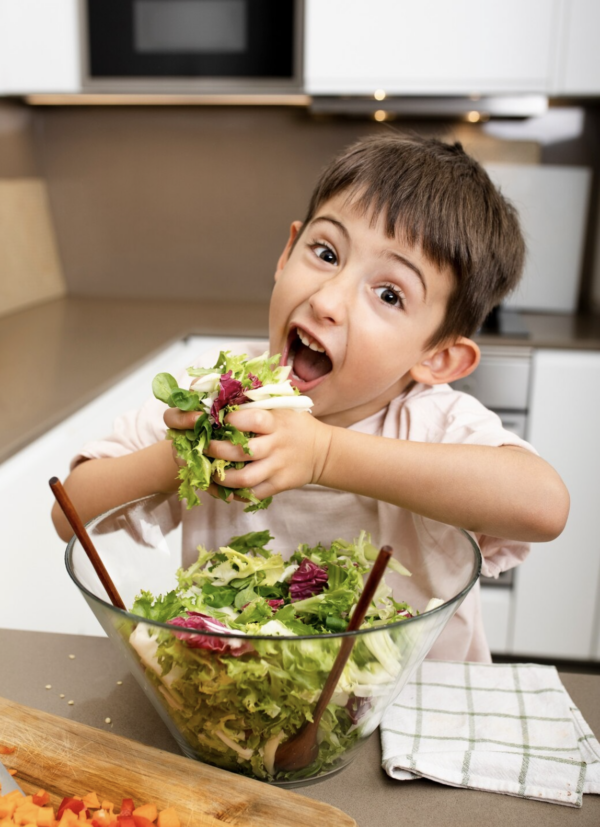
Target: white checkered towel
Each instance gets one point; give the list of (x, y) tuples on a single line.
[(507, 729)]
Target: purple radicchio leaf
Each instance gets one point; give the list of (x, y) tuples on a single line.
[(206, 623), (307, 580), (357, 707), (231, 393)]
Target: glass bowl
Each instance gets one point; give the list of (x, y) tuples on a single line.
[(231, 706)]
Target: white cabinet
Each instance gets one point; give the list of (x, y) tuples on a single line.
[(32, 552), (578, 60), (39, 46), (429, 47), (556, 601)]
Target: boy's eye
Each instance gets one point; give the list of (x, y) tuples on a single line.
[(325, 253), (390, 295)]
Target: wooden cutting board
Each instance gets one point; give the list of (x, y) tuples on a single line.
[(68, 758)]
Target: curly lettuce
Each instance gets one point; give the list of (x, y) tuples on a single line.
[(232, 382), (235, 699)]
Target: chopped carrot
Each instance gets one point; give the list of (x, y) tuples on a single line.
[(148, 811), (4, 750), (91, 801), (25, 814), (45, 817), (142, 821), (168, 818), (75, 811), (12, 772)]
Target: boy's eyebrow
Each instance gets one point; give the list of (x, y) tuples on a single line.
[(411, 265), (389, 253), (337, 223)]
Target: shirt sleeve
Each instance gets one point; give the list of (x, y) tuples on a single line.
[(443, 415), (132, 431)]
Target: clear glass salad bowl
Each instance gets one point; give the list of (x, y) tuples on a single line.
[(230, 700)]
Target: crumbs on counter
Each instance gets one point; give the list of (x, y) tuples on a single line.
[(48, 686), (72, 657), (70, 703)]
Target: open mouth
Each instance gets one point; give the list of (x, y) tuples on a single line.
[(307, 358)]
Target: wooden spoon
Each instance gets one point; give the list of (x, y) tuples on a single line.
[(76, 524), (302, 748)]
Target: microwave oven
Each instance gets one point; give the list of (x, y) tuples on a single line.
[(200, 45)]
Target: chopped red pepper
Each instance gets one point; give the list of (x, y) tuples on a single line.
[(74, 804), (127, 807)]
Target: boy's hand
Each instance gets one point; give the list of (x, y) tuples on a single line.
[(180, 421), (289, 450)]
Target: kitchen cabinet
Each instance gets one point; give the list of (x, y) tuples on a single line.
[(53, 603), (431, 47), (39, 46), (556, 602), (578, 60)]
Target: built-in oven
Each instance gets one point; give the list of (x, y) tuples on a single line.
[(501, 382), (216, 45)]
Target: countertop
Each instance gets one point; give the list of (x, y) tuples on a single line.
[(33, 660), (58, 356)]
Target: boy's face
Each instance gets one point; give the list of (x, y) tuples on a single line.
[(352, 310)]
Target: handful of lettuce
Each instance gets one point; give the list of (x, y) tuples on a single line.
[(233, 382), (235, 698)]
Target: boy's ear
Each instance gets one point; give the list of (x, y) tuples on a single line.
[(449, 363), (295, 228)]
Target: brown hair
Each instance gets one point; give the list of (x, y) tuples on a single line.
[(435, 195)]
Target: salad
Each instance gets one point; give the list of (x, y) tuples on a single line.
[(233, 382), (235, 697)]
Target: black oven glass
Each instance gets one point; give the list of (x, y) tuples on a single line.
[(191, 38)]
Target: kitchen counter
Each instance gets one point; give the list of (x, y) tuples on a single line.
[(56, 357), (31, 661)]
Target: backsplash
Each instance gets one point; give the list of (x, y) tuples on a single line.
[(187, 202), (191, 202)]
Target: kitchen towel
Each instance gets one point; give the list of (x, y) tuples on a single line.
[(509, 729)]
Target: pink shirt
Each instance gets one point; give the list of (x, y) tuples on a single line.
[(315, 514)]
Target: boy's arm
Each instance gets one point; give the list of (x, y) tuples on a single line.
[(97, 485), (504, 492)]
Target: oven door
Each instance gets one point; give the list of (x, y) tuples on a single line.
[(192, 39)]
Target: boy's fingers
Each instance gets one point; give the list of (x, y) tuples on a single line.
[(222, 449), (247, 477), (180, 420), (213, 490), (254, 420)]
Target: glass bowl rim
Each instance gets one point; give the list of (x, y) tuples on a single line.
[(181, 630)]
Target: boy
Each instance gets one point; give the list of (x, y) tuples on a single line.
[(405, 248)]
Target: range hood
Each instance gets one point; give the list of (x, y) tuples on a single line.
[(474, 108)]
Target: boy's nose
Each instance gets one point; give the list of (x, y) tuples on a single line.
[(329, 302)]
